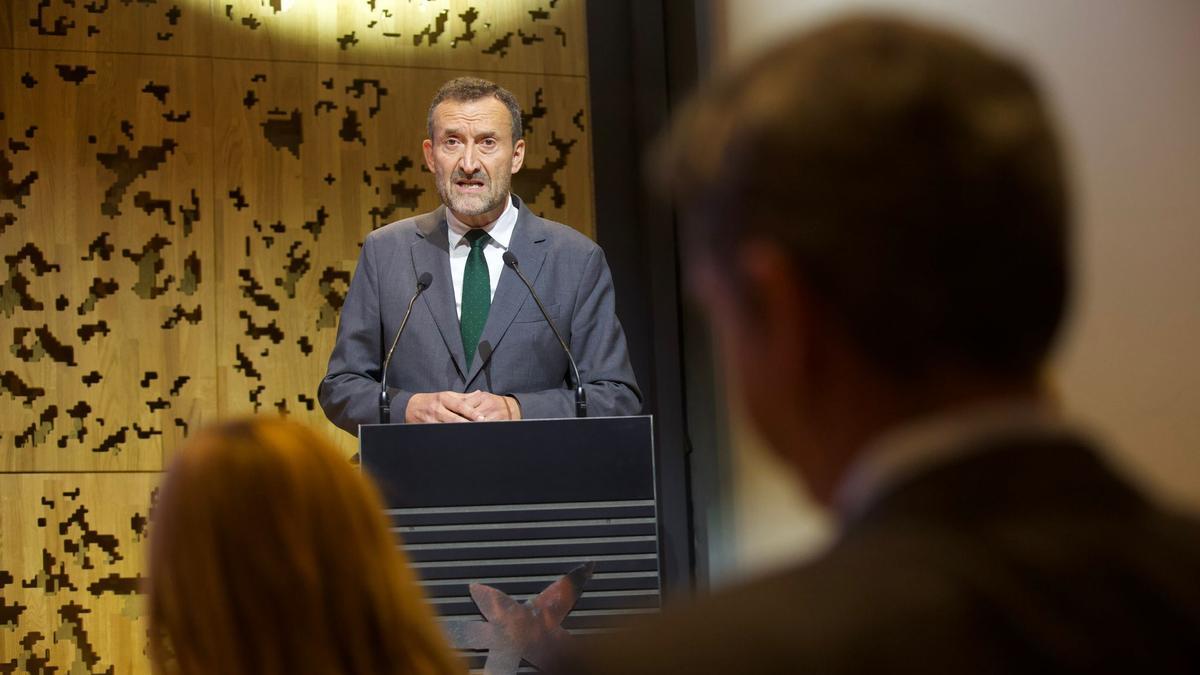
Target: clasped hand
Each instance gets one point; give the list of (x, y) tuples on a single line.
[(451, 406)]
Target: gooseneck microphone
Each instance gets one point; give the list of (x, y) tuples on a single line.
[(385, 403), (580, 394)]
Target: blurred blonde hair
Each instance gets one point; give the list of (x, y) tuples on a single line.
[(270, 555)]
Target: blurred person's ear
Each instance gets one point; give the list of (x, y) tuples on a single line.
[(760, 310)]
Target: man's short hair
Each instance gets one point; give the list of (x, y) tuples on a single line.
[(913, 176), (466, 89)]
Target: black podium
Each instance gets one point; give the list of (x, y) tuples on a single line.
[(523, 532)]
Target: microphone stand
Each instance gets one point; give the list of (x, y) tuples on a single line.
[(580, 394), (385, 403)]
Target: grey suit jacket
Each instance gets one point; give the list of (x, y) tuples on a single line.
[(517, 354)]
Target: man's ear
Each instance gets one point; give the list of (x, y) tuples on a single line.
[(779, 303), (771, 353), (427, 149), (518, 158)]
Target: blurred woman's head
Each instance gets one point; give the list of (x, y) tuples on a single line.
[(269, 554)]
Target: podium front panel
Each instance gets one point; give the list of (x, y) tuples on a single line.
[(518, 505)]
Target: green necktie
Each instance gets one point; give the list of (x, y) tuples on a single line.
[(476, 294)]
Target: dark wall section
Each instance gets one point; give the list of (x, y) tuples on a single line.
[(643, 57)]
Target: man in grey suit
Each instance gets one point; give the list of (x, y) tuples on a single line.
[(477, 347)]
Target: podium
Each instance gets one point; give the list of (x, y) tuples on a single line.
[(523, 533)]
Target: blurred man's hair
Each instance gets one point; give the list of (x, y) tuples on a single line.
[(914, 177), (467, 89)]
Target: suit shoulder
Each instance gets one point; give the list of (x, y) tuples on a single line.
[(565, 237), (398, 231)]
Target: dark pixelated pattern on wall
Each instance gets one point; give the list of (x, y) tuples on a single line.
[(533, 180), (413, 28), (128, 167), (99, 255), (285, 131), (11, 188), (15, 293), (80, 19), (74, 74), (83, 572)]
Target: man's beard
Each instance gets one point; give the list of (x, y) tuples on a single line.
[(490, 199)]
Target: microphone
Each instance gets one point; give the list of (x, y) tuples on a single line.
[(580, 394), (385, 404)]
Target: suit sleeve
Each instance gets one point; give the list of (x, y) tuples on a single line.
[(349, 393), (598, 343)]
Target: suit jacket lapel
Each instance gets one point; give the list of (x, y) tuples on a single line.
[(526, 244), (430, 253)]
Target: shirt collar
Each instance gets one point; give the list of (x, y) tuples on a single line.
[(500, 229), (900, 454)]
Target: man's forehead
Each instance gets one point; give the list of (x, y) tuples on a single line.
[(483, 112)]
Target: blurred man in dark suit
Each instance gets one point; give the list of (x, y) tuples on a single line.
[(878, 222)]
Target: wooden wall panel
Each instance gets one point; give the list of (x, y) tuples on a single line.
[(5, 24), (108, 246), (546, 37), (73, 556), (184, 187), (142, 27)]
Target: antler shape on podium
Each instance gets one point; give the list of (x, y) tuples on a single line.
[(513, 631)]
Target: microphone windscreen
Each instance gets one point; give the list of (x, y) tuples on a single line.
[(424, 280), (510, 259)]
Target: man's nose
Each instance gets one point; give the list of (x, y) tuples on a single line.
[(469, 161)]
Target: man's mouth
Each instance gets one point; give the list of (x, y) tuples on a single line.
[(470, 185)]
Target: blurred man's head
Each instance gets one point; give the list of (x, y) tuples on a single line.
[(474, 147), (879, 216)]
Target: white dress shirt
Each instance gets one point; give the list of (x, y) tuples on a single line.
[(500, 231)]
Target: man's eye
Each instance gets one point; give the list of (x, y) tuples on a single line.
[(489, 142), (451, 141)]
